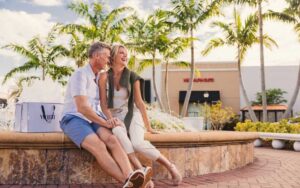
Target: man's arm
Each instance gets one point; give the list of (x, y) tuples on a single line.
[(103, 95), (83, 108)]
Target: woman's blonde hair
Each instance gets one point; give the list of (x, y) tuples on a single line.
[(114, 51)]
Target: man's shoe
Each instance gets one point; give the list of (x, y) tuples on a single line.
[(147, 174), (135, 180)]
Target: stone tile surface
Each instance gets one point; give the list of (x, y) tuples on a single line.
[(271, 169)]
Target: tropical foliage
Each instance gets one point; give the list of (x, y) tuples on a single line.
[(279, 127), (218, 115), (41, 54), (155, 35), (102, 25), (170, 51), (274, 96), (188, 15), (242, 35), (159, 38)]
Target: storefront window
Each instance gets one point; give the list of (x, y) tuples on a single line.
[(193, 110)]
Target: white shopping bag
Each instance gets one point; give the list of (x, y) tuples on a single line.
[(38, 117)]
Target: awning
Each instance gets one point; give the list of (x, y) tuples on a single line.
[(199, 96)]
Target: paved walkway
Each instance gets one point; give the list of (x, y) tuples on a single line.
[(271, 168)]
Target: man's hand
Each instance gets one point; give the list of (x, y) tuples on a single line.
[(113, 122)]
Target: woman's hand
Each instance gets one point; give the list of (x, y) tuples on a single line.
[(152, 131), (113, 122)]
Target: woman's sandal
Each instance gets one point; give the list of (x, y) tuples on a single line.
[(176, 176)]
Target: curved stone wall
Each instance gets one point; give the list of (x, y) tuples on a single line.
[(51, 158)]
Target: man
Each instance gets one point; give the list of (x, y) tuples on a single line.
[(87, 126)]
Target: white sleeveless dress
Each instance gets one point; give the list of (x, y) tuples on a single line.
[(120, 103), (136, 130)]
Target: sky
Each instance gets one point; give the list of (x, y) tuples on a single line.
[(21, 20)]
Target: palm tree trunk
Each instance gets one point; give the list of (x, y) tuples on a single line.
[(154, 82), (166, 87), (293, 100), (192, 73), (249, 107), (262, 64), (43, 76)]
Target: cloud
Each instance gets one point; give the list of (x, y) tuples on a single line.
[(138, 6), (21, 27), (45, 2)]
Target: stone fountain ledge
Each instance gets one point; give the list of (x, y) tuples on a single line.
[(51, 158)]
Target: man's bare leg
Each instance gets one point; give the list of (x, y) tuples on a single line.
[(97, 148), (116, 149)]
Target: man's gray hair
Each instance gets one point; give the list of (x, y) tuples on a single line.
[(97, 46)]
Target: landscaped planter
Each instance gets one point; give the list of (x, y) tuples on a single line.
[(296, 146), (258, 142), (51, 158), (278, 144)]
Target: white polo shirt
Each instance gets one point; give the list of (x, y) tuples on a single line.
[(82, 82)]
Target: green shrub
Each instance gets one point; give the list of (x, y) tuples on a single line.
[(278, 127), (155, 124), (295, 120)]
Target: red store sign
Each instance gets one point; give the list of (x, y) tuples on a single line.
[(199, 80)]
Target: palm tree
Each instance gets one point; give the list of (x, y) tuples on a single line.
[(41, 55), (135, 34), (78, 49), (171, 50), (258, 4), (154, 35), (291, 14), (294, 97), (189, 14), (242, 36), (102, 26)]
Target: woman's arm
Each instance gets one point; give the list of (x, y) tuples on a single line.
[(141, 106), (103, 97)]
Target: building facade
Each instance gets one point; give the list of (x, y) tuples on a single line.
[(213, 81), (219, 81)]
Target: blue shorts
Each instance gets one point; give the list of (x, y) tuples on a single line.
[(77, 128)]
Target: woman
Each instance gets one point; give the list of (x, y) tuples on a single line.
[(120, 96)]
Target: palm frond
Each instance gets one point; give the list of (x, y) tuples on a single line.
[(227, 29), (181, 64), (58, 72), (57, 51), (52, 34), (73, 28), (269, 42), (132, 62), (145, 63), (281, 16), (22, 51), (36, 47), (81, 9), (211, 9), (24, 68), (213, 43)]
